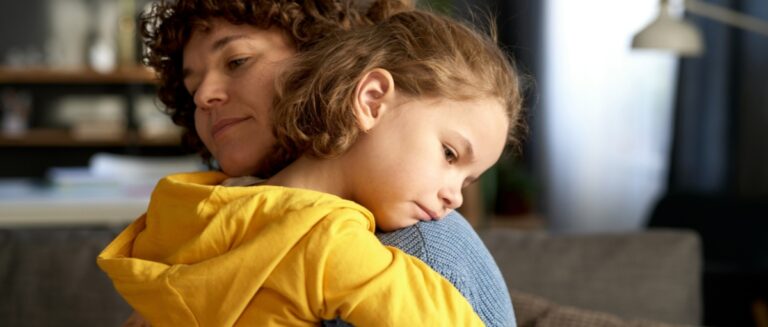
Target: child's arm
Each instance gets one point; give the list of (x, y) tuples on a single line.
[(453, 249), (367, 284)]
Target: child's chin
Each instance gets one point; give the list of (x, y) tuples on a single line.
[(400, 225)]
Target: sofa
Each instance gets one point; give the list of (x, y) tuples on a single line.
[(48, 277)]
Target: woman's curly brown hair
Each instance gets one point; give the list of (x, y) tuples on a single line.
[(428, 55), (168, 25)]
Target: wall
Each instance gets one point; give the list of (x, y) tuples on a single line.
[(606, 115)]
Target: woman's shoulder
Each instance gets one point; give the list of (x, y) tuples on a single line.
[(450, 238), (452, 248)]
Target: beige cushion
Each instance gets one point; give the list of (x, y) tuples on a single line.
[(534, 311)]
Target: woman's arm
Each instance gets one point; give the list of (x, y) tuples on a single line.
[(453, 249)]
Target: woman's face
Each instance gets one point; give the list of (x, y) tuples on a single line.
[(230, 72)]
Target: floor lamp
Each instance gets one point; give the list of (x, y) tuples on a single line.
[(684, 38)]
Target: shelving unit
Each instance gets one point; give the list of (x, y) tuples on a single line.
[(50, 137), (130, 75), (42, 145)]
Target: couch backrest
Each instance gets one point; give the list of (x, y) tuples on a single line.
[(49, 277), (653, 275)]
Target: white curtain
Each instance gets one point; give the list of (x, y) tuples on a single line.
[(606, 116)]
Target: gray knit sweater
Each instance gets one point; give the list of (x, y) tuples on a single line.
[(453, 249)]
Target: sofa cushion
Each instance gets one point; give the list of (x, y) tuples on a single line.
[(535, 311)]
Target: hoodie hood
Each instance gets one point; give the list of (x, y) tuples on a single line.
[(198, 239)]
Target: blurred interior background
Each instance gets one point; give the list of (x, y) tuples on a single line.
[(620, 139)]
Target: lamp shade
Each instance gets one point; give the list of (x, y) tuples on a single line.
[(672, 34)]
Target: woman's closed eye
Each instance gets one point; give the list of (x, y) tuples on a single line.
[(191, 88), (235, 63), (450, 154)]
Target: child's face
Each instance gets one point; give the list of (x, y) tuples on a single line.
[(230, 72), (413, 164)]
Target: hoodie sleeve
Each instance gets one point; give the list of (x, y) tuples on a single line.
[(368, 284)]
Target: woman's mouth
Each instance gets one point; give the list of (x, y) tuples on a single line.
[(224, 124)]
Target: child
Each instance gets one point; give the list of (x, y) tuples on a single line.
[(397, 117)]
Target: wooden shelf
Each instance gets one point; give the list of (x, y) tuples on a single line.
[(127, 75), (64, 138)]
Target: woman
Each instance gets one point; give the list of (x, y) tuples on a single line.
[(230, 68)]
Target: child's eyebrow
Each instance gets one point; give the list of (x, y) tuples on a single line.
[(468, 149)]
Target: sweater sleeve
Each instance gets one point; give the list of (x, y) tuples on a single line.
[(453, 249), (368, 284)]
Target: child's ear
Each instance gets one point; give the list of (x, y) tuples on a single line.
[(374, 94)]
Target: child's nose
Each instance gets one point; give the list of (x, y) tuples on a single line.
[(451, 197)]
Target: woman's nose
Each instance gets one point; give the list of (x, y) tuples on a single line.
[(451, 197), (210, 93)]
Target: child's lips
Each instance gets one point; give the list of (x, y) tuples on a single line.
[(223, 124), (426, 213)]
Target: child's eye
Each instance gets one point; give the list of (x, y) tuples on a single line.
[(450, 154), (234, 63)]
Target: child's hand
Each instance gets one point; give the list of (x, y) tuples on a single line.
[(136, 320)]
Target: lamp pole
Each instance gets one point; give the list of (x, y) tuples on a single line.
[(726, 16)]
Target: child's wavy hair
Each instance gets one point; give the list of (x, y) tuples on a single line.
[(428, 55), (168, 25)]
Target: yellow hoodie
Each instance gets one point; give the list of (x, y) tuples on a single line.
[(209, 255)]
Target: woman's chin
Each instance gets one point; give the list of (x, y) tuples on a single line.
[(235, 169)]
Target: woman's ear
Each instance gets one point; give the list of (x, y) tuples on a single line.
[(374, 94)]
